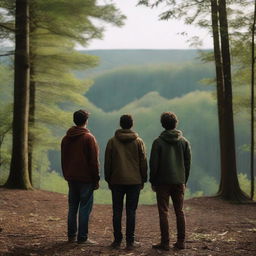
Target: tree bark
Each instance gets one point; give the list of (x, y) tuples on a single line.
[(252, 102), (229, 186), (19, 177), (32, 105)]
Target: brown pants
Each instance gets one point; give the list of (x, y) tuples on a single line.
[(163, 193)]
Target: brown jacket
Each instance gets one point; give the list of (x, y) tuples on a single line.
[(125, 159), (79, 156)]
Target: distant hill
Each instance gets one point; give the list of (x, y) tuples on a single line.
[(112, 59), (118, 87)]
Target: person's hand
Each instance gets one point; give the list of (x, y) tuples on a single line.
[(96, 186), (141, 186), (153, 188)]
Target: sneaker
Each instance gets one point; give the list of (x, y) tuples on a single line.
[(179, 245), (115, 245), (133, 245), (163, 247), (87, 241)]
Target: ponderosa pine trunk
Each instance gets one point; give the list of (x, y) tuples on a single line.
[(229, 186), (19, 177)]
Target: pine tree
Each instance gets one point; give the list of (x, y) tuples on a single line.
[(18, 177), (55, 30)]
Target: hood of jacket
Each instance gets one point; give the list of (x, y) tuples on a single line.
[(171, 136), (75, 131), (126, 135)]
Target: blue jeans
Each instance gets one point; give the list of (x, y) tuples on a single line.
[(132, 193), (80, 196)]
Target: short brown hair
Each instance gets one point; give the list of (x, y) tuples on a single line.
[(169, 120), (80, 117), (126, 121)]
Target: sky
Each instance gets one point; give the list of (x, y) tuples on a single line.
[(144, 30)]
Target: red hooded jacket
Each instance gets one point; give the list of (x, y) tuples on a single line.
[(80, 156)]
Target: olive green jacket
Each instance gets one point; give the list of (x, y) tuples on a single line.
[(125, 159), (170, 159)]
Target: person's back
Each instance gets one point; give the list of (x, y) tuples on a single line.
[(126, 153), (169, 171), (172, 166), (125, 171), (80, 156), (80, 167)]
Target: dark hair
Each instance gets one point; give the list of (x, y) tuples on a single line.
[(126, 121), (169, 120), (80, 117)]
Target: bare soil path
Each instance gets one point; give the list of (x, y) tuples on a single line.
[(34, 223)]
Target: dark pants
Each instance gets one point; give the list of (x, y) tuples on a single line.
[(80, 196), (163, 193), (132, 193)]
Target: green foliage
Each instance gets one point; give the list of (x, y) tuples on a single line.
[(130, 84), (5, 119), (245, 184), (74, 19), (50, 181)]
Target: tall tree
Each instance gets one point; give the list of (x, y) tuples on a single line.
[(18, 176), (229, 188), (53, 33)]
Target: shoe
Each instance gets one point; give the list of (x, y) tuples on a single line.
[(132, 245), (87, 241), (115, 245), (163, 247), (71, 239), (179, 245)]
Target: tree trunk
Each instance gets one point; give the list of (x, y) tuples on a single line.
[(229, 186), (32, 96), (19, 177), (219, 80), (252, 102), (32, 91)]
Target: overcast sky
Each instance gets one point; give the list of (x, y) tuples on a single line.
[(143, 30)]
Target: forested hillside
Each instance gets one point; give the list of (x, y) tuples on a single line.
[(145, 91), (112, 59)]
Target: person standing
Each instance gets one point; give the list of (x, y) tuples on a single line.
[(80, 167), (170, 161), (125, 172)]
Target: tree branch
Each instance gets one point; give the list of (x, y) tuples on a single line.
[(2, 25), (7, 54)]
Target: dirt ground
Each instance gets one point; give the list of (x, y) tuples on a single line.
[(34, 223)]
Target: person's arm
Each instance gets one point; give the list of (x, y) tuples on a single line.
[(143, 162), (94, 160), (154, 162), (107, 161), (62, 158), (187, 160)]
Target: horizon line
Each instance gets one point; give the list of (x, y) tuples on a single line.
[(146, 49)]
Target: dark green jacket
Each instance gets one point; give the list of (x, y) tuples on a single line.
[(170, 159), (125, 159)]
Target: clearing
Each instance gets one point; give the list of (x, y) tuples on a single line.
[(34, 223)]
